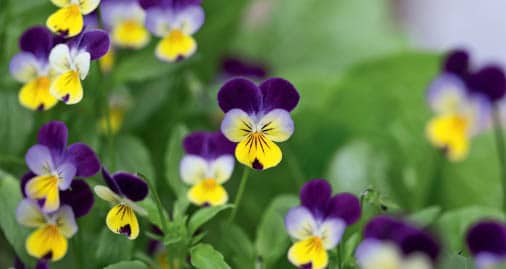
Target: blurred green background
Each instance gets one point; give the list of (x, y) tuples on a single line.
[(360, 124)]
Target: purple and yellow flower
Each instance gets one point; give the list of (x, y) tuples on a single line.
[(208, 163), (123, 191), (318, 224), (124, 19), (257, 117), (486, 241), (68, 20), (392, 243), (41, 264), (54, 165), (31, 67), (175, 21), (461, 111), (118, 106), (71, 63)]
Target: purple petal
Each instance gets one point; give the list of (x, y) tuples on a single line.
[(42, 265), (18, 264), (54, 136), (79, 197), (457, 62), (345, 206), (384, 228), (235, 67), (24, 180), (91, 20), (239, 93), (315, 196), (278, 93), (487, 236), (146, 4), (37, 40), (158, 20), (489, 81), (96, 42), (84, 159), (420, 242), (133, 187), (209, 145), (109, 180), (39, 160)]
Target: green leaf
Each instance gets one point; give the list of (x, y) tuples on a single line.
[(132, 156), (455, 261), (127, 265), (204, 215), (272, 239), (453, 225), (173, 156), (235, 244), (16, 122), (204, 256), (113, 248), (427, 216), (15, 234), (140, 66)]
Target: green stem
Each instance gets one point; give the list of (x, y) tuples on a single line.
[(106, 113), (501, 154), (240, 192)]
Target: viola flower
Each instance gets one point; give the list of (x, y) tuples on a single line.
[(31, 67), (124, 19), (208, 164), (68, 21), (461, 112), (175, 21), (486, 241), (118, 106), (318, 223), (256, 117), (391, 243), (41, 264), (54, 165), (123, 191), (71, 63), (238, 67)]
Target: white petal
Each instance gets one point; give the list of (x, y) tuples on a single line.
[(106, 194), (332, 231), (82, 62), (374, 254), (24, 67), (193, 169), (28, 213), (190, 19), (60, 59), (66, 221), (222, 168), (277, 125), (237, 124), (300, 223)]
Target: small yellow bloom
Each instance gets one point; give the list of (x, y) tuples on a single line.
[(130, 34), (450, 133), (309, 251), (68, 20), (176, 45)]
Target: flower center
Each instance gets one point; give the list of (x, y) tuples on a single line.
[(315, 244), (209, 184)]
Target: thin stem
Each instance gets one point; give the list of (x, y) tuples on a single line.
[(501, 154), (240, 192)]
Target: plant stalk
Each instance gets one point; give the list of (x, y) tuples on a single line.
[(240, 192)]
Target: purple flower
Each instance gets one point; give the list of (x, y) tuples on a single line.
[(256, 117), (54, 165), (208, 164), (175, 21), (486, 241), (392, 243), (123, 191), (318, 223), (237, 67)]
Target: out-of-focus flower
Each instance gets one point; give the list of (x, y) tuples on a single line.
[(175, 21), (107, 61), (31, 67), (318, 224), (239, 67), (208, 163), (123, 191), (54, 165), (256, 117), (486, 241), (71, 63), (124, 19), (49, 240), (392, 243), (68, 20), (118, 105), (461, 112), (41, 264), (156, 249)]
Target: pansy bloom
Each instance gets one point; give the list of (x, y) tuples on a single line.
[(392, 243), (118, 106), (208, 163), (124, 19), (68, 21), (461, 111), (123, 191), (175, 21), (71, 63), (54, 165), (486, 241), (318, 223), (256, 117), (239, 67), (31, 66)]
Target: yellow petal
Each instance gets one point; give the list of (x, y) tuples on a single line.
[(107, 61), (116, 116), (67, 87), (258, 152), (309, 251), (130, 34), (35, 95), (46, 188), (47, 241), (67, 21), (121, 219), (208, 192), (175, 46), (450, 132)]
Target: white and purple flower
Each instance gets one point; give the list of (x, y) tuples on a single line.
[(318, 224), (486, 241)]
